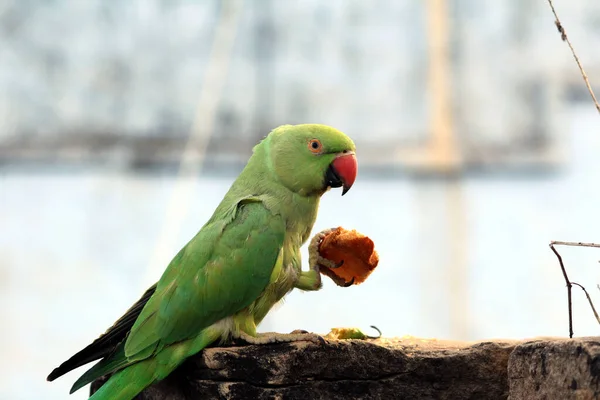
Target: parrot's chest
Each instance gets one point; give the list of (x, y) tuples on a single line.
[(289, 273), (282, 282), (288, 276)]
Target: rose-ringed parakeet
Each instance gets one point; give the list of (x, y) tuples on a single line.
[(226, 279)]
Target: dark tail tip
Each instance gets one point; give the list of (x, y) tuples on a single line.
[(53, 375)]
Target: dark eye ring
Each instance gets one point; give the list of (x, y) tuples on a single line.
[(315, 146)]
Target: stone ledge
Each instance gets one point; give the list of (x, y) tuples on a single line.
[(402, 368), (555, 369)]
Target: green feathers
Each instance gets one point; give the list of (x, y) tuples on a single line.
[(228, 277), (222, 270), (300, 155)]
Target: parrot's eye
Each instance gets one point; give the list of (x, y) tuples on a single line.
[(315, 146)]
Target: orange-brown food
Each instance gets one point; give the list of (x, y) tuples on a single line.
[(356, 251)]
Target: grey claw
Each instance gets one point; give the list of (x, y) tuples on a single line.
[(348, 284), (298, 331), (341, 282), (311, 337), (338, 265)]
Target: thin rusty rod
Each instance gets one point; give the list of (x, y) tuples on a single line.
[(565, 38), (569, 286), (589, 300)]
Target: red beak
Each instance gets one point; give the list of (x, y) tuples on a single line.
[(342, 171)]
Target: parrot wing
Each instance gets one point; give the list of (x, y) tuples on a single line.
[(222, 270)]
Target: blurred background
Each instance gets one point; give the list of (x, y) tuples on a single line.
[(122, 125)]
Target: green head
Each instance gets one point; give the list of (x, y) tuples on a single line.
[(309, 159)]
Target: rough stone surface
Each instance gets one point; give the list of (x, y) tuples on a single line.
[(405, 368), (555, 369)]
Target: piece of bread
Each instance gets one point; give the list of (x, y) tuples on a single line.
[(353, 250)]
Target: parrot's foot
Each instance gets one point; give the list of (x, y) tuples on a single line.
[(274, 337), (315, 258), (316, 261)]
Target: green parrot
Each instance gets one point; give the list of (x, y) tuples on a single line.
[(225, 280)]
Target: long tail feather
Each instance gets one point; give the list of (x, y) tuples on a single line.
[(107, 342), (127, 383), (107, 365), (129, 380)]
